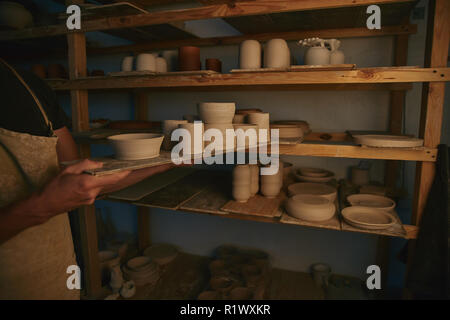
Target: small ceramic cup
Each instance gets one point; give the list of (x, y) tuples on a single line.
[(127, 64), (241, 183), (146, 62), (250, 55)]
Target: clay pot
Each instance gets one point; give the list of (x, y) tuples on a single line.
[(146, 62), (193, 128), (127, 64), (161, 64), (262, 119), (241, 183), (250, 55), (277, 54), (271, 185), (310, 208), (214, 65), (217, 112), (56, 71), (39, 70), (360, 177), (317, 56), (254, 179), (189, 58), (239, 118)]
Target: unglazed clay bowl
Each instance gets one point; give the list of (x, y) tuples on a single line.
[(367, 218), (136, 146), (250, 55), (277, 54), (371, 201), (313, 172), (217, 112), (319, 179), (310, 208), (146, 62), (302, 124), (239, 118), (288, 130), (316, 189)]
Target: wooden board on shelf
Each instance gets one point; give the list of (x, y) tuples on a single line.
[(290, 140), (130, 74), (151, 184), (302, 68), (175, 194), (333, 223), (257, 205), (187, 73)]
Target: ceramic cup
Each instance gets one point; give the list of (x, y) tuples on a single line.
[(317, 56), (270, 185), (146, 62), (250, 55), (241, 183), (321, 273), (189, 58), (213, 64), (262, 119), (277, 54), (127, 64), (161, 64)]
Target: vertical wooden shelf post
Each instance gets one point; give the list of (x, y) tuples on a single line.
[(80, 118)]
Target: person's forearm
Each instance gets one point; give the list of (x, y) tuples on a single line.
[(20, 215), (136, 176)]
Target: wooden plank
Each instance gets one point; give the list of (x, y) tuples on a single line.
[(257, 205), (363, 76), (348, 151), (301, 68), (206, 12), (288, 36), (432, 99), (332, 224), (328, 136)]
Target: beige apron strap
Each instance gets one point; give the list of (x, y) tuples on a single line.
[(36, 100)]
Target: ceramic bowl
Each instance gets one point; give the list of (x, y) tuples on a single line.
[(313, 172), (310, 208), (316, 189), (372, 201), (277, 54), (388, 141), (136, 146), (217, 112), (302, 124), (139, 263), (161, 253), (146, 62), (321, 179), (288, 130), (250, 55), (367, 218)]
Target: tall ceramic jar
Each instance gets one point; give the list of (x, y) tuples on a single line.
[(270, 185), (277, 54), (254, 179), (241, 183), (189, 58), (250, 55)]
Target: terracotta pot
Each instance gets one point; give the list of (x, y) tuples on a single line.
[(277, 54), (127, 64), (189, 58), (250, 55), (270, 190), (213, 64), (39, 70)]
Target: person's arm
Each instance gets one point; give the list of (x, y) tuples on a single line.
[(66, 148), (68, 190)]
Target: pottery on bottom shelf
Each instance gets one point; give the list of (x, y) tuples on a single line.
[(142, 270), (161, 253), (311, 188), (367, 218), (314, 175), (372, 201), (310, 208)]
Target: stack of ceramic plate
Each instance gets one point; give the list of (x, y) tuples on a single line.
[(314, 175), (311, 188), (161, 253), (142, 270), (367, 218)]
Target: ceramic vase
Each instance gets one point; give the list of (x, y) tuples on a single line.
[(213, 65), (127, 64), (254, 179), (250, 55), (241, 183), (146, 62), (277, 54), (317, 56), (189, 58), (161, 64)]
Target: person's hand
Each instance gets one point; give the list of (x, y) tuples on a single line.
[(71, 188)]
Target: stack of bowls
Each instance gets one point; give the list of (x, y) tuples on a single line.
[(314, 189), (310, 207), (314, 175), (142, 270), (219, 116)]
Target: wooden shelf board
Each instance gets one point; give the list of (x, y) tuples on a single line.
[(238, 9), (367, 76)]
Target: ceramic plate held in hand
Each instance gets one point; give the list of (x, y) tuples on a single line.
[(136, 146), (367, 218)]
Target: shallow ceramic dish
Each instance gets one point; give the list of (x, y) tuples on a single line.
[(367, 218), (136, 146), (288, 130), (316, 189), (217, 112), (313, 172), (310, 208), (324, 179), (161, 253), (388, 141), (372, 201)]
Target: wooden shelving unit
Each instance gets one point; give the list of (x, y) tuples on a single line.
[(290, 19)]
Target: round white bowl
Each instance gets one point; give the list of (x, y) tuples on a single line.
[(136, 146), (367, 218), (315, 189), (371, 201), (321, 179), (217, 112), (310, 208)]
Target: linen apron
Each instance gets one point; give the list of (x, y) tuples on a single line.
[(33, 263)]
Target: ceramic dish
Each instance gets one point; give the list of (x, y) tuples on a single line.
[(316, 189), (323, 179), (217, 112), (367, 218), (310, 208), (372, 201), (288, 130), (388, 141), (136, 146), (161, 253)]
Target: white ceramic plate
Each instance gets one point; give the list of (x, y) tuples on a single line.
[(371, 201), (367, 218), (387, 141)]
